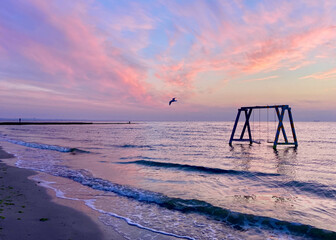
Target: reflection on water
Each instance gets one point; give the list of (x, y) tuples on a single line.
[(286, 161), (241, 153)]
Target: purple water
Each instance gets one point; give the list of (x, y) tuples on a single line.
[(183, 180)]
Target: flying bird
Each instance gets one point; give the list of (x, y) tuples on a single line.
[(171, 101)]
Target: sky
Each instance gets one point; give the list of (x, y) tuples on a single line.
[(124, 60)]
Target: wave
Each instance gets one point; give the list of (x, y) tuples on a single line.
[(314, 188), (193, 168), (135, 146), (90, 203), (141, 157), (236, 220), (46, 146), (150, 147)]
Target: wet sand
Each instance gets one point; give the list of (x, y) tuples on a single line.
[(29, 211)]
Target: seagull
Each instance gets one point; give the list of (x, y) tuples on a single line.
[(171, 101)]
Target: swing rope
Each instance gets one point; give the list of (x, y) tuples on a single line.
[(275, 126), (259, 127), (252, 124), (267, 126)]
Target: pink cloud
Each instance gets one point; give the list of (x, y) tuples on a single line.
[(86, 62), (268, 14), (300, 65), (269, 39), (87, 52), (261, 79), (179, 74), (327, 75), (266, 48)]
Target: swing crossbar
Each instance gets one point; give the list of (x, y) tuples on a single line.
[(267, 106), (280, 112)]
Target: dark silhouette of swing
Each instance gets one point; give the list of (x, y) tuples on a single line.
[(280, 113)]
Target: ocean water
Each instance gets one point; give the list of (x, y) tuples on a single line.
[(172, 180)]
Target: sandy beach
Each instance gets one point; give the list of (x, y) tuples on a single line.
[(29, 211)]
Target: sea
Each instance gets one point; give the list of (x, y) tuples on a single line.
[(182, 180)]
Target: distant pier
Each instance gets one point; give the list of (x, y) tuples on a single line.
[(60, 123)]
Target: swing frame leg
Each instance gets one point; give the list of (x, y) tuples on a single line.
[(248, 113)]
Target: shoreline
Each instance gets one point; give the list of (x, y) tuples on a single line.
[(29, 211)]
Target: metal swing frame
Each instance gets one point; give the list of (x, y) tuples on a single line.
[(280, 112)]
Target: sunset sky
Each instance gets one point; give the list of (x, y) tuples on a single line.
[(124, 60)]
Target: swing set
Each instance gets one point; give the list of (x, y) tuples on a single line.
[(279, 114)]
